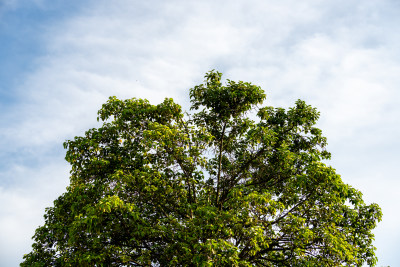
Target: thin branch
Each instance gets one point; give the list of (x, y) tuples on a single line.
[(220, 163)]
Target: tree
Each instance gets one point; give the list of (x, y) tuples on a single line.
[(155, 186)]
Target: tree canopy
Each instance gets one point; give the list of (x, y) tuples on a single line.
[(156, 186)]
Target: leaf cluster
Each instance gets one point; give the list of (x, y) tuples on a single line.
[(155, 186)]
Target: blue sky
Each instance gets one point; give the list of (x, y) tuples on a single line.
[(60, 60)]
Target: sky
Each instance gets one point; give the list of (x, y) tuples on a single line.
[(61, 60)]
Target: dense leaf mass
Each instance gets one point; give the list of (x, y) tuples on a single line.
[(155, 186)]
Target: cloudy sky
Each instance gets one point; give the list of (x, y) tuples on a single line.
[(60, 60)]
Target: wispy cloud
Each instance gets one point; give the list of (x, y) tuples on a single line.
[(340, 56)]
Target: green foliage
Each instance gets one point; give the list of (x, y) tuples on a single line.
[(155, 186)]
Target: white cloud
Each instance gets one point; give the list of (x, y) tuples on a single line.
[(24, 204), (340, 56)]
